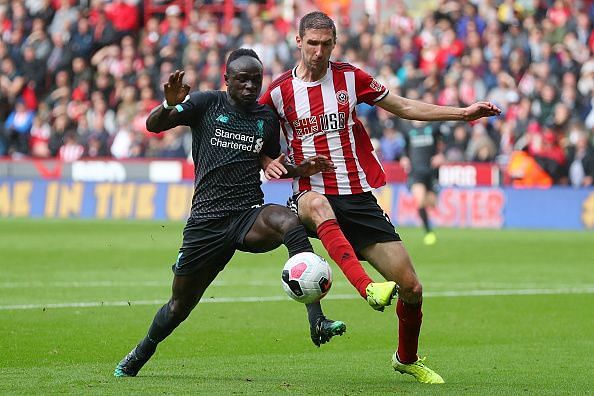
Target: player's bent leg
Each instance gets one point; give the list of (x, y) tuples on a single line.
[(316, 213), (419, 191), (277, 224), (392, 260), (421, 194), (430, 201), (270, 227), (314, 209), (187, 291)]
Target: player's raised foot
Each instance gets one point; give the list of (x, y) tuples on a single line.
[(430, 238), (325, 329), (381, 294), (418, 370), (131, 364)]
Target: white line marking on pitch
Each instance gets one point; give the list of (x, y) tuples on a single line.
[(222, 283), (107, 283), (466, 293)]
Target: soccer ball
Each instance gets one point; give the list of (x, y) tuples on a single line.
[(306, 277)]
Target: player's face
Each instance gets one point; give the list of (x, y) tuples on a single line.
[(316, 46), (244, 80)]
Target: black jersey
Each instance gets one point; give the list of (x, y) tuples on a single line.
[(226, 146), (421, 144)]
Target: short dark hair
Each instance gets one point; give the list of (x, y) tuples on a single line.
[(316, 20), (238, 53)]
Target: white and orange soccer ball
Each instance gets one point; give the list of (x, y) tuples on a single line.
[(306, 277)]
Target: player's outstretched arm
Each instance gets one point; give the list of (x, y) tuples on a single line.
[(278, 169), (165, 116), (416, 110)]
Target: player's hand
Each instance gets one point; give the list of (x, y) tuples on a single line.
[(175, 90), (312, 165), (437, 160), (480, 110), (405, 164), (275, 169)]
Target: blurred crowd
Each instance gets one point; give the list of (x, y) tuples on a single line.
[(78, 78)]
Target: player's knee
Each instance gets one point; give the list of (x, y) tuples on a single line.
[(179, 309), (411, 293), (319, 208), (289, 221), (281, 220)]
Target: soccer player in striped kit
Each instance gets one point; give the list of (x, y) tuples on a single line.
[(315, 102)]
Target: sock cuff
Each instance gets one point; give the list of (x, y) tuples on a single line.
[(296, 240), (297, 231), (326, 226)]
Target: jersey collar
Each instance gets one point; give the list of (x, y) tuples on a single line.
[(313, 83)]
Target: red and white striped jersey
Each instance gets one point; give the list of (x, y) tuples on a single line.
[(319, 118), (71, 152)]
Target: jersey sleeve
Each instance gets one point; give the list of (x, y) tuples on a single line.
[(193, 107), (271, 146), (266, 99), (368, 89)]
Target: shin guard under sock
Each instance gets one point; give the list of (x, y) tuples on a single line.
[(410, 317), (343, 254), (163, 325), (314, 312), (296, 241)]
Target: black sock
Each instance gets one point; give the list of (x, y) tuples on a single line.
[(163, 324), (314, 312), (296, 241), (425, 218)]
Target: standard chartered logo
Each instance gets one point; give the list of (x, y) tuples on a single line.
[(258, 145), (236, 141)]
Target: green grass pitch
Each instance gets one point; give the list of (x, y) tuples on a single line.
[(505, 312)]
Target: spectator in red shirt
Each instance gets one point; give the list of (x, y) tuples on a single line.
[(559, 13), (123, 16), (72, 150)]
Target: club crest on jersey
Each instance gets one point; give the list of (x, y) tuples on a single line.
[(342, 97), (260, 130), (375, 85)]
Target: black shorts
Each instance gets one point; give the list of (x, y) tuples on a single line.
[(360, 218), (428, 178), (211, 243)]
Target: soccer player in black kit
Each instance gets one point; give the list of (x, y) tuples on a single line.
[(421, 160), (231, 133)]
